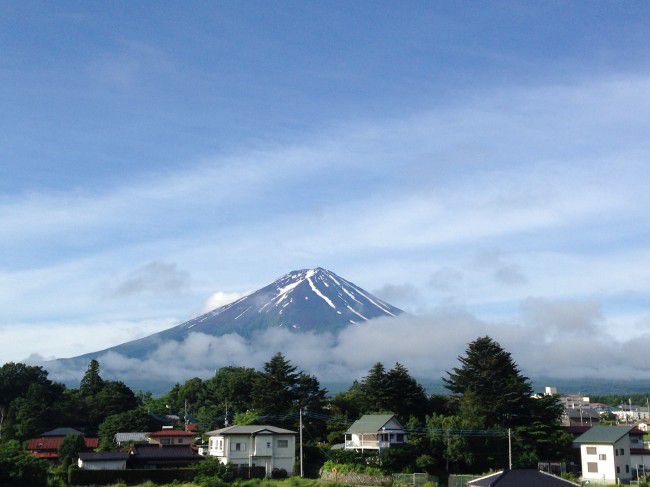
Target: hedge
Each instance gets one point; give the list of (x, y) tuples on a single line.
[(129, 477)]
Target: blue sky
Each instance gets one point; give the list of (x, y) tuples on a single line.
[(156, 159)]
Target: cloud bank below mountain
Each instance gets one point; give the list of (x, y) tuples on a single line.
[(548, 339)]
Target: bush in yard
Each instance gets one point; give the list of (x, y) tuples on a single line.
[(212, 473), (279, 473)]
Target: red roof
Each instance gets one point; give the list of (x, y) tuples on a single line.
[(190, 427), (53, 443), (45, 454), (158, 434)]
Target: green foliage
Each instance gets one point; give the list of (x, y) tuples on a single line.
[(134, 420), (212, 473), (70, 448), (344, 468), (392, 391), (91, 383), (247, 417), (501, 393), (146, 477), (19, 468)]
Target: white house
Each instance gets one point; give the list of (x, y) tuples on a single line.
[(254, 446), (605, 453), (109, 460), (375, 432)]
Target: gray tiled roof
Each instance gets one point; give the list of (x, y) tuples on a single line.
[(249, 429), (103, 456), (520, 478), (62, 432)]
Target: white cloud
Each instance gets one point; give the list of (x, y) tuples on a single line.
[(54, 339), (220, 298), (550, 339)]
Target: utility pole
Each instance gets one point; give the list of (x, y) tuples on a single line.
[(509, 449), (302, 472), (225, 419), (185, 417)]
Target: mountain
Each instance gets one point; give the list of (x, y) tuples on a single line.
[(307, 300)]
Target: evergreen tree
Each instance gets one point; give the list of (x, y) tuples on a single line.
[(70, 448), (373, 389), (135, 420), (91, 383), (403, 395), (274, 390), (503, 394), (233, 385)]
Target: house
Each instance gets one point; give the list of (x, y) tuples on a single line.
[(108, 460), (122, 439), (520, 478), (156, 456), (47, 445), (254, 446), (580, 416), (168, 437), (630, 413), (374, 432), (605, 453)]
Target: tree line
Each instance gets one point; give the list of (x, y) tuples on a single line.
[(464, 429)]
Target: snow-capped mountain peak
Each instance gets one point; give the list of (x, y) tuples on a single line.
[(307, 300)]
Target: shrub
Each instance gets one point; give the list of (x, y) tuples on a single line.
[(279, 473), (18, 467)]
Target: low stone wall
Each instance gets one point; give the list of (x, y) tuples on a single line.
[(354, 478)]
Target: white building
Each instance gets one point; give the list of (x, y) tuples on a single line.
[(605, 453), (110, 460), (375, 432), (254, 446)]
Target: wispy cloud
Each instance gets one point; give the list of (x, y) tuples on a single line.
[(156, 277), (553, 176)]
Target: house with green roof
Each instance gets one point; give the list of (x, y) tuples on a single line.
[(374, 432), (605, 453)]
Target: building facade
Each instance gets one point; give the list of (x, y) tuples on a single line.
[(264, 446)]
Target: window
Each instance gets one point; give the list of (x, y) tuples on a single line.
[(283, 443), (622, 451), (591, 450), (399, 438), (616, 451), (237, 447), (592, 467), (618, 469), (627, 469), (268, 444), (602, 456)]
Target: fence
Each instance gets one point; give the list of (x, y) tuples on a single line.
[(417, 479), (460, 480)]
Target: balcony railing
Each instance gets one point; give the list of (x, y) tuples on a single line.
[(370, 444)]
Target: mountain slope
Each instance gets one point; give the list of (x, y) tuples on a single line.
[(307, 300)]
